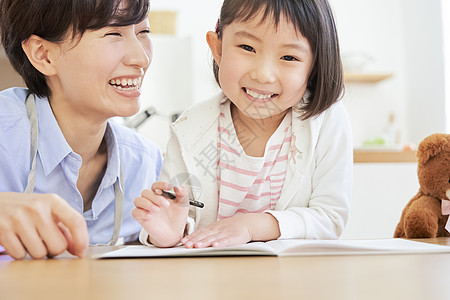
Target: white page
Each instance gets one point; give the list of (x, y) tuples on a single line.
[(257, 248), (346, 247), (295, 247)]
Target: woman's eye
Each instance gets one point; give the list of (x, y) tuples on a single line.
[(247, 48), (289, 58), (146, 31), (113, 34)]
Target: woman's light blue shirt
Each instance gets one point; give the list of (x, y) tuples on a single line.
[(57, 165)]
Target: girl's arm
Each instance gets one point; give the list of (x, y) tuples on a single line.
[(162, 219), (320, 208), (164, 222), (239, 229)]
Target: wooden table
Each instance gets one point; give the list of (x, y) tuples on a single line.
[(411, 276)]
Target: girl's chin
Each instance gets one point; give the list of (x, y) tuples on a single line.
[(260, 113)]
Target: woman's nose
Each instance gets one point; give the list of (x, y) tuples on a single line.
[(139, 53)]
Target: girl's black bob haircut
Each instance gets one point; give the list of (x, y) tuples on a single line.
[(53, 20), (314, 20)]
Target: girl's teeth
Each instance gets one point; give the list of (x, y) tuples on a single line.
[(257, 95)]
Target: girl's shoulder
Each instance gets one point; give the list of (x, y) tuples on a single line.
[(335, 113), (332, 122), (200, 115), (203, 109)]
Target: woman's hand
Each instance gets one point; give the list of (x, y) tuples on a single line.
[(40, 225), (163, 219), (236, 230)]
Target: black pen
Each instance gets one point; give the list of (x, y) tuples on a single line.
[(171, 195)]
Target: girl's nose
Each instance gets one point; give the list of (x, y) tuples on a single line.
[(263, 71)]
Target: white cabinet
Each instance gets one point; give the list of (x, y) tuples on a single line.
[(380, 192)]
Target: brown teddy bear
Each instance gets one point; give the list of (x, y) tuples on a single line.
[(426, 215)]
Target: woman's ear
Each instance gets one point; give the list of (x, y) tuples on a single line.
[(40, 53), (215, 44)]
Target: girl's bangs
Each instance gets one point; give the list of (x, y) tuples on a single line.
[(271, 10)]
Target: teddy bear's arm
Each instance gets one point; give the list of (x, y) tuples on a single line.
[(421, 217)]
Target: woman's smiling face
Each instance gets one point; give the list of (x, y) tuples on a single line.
[(101, 73)]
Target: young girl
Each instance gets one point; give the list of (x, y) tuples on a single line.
[(271, 158), (67, 175)]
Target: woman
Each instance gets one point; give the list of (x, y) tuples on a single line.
[(68, 176)]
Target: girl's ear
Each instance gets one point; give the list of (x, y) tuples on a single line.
[(215, 44), (40, 53)]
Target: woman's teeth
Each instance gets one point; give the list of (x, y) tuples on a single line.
[(128, 84), (257, 95)]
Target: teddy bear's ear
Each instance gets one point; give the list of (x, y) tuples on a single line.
[(432, 146)]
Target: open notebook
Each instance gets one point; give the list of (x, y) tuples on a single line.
[(286, 248)]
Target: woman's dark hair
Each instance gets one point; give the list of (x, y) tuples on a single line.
[(52, 20), (314, 20)]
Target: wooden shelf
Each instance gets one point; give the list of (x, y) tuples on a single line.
[(382, 156), (366, 78), (163, 22)]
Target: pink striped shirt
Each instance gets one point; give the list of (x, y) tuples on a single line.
[(250, 184)]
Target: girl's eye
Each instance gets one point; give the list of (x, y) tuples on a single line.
[(247, 48), (145, 31), (289, 58)]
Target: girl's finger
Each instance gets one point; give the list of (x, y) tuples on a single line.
[(140, 215), (181, 194), (153, 199), (146, 205), (161, 185)]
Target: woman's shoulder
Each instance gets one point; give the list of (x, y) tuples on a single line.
[(12, 101), (129, 140)]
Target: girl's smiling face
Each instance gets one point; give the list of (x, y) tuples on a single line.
[(100, 75), (263, 68)]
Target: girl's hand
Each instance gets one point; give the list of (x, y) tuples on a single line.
[(236, 230), (163, 219)]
